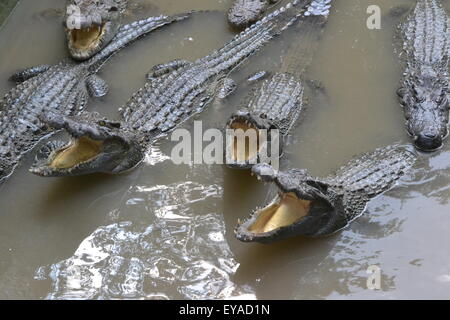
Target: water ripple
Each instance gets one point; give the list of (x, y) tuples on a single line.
[(182, 254)]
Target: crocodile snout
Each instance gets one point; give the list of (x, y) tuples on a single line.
[(428, 142)]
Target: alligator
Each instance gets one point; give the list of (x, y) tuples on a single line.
[(424, 91), (310, 206), (278, 101), (91, 25), (243, 13), (174, 92), (63, 88)]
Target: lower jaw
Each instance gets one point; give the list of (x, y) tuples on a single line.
[(240, 166)]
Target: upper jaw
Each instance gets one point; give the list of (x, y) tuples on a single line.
[(78, 126)]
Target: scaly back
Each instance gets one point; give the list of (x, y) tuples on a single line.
[(373, 172)]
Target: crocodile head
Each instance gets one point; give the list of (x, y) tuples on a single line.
[(245, 12), (97, 145), (426, 110), (302, 206), (242, 154), (91, 25)]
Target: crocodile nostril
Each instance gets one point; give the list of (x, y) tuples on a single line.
[(430, 135), (428, 142)]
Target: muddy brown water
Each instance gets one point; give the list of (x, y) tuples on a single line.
[(164, 231)]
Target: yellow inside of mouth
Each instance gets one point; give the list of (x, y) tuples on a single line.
[(79, 151), (87, 38), (244, 149), (287, 211)]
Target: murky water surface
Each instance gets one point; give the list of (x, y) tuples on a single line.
[(164, 231)]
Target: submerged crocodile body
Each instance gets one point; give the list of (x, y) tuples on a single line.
[(242, 13), (173, 93), (64, 87), (91, 25), (311, 206), (278, 101), (424, 92)]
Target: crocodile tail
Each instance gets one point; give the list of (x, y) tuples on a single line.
[(257, 35), (301, 53), (130, 33)]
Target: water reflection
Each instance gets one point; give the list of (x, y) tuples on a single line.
[(181, 254)]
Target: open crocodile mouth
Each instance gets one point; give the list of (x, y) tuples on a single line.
[(249, 147), (286, 216), (284, 211), (87, 38), (95, 145), (245, 144), (78, 151), (78, 156)]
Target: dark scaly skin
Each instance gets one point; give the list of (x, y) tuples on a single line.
[(63, 88), (424, 92), (337, 199), (243, 13), (88, 14), (173, 93), (278, 101)]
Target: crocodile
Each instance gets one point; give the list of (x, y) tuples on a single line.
[(424, 91), (278, 101), (64, 87), (91, 25), (310, 206), (243, 13), (174, 92)]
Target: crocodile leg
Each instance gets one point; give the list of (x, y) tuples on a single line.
[(28, 73), (165, 68), (257, 76), (226, 87), (96, 86)]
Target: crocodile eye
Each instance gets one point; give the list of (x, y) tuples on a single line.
[(419, 99), (102, 123), (113, 9), (401, 92), (317, 184), (441, 100)]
